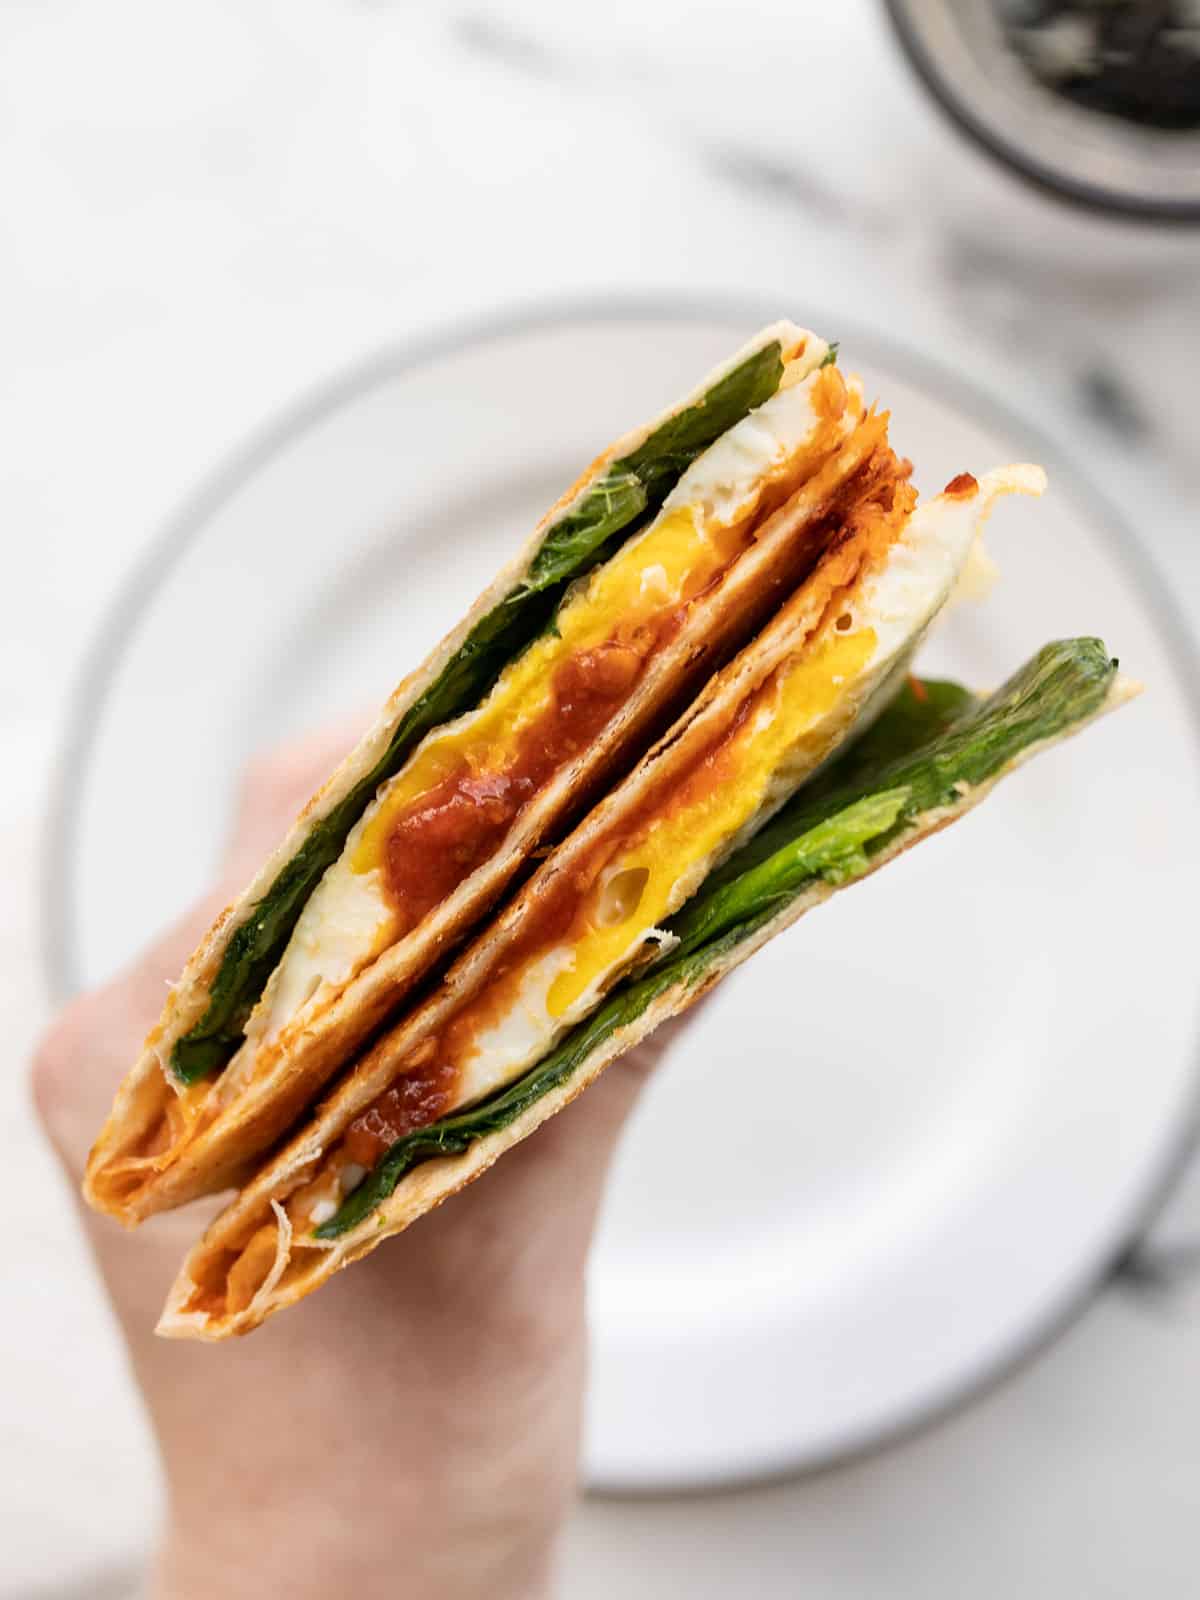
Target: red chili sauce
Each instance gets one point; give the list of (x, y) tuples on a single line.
[(583, 688), (430, 1073), (413, 1101), (457, 825)]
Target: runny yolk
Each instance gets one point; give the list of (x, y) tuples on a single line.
[(636, 878), (457, 798), (435, 841), (717, 799), (453, 804)]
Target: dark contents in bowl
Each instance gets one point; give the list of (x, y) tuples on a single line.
[(1134, 59)]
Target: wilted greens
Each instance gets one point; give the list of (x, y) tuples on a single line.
[(625, 496), (931, 743)]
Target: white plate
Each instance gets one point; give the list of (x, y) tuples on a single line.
[(910, 1135)]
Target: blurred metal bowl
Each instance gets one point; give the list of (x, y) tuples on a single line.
[(1044, 88)]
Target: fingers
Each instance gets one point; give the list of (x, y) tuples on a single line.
[(582, 1140), (524, 1229), (93, 1043), (535, 1212)]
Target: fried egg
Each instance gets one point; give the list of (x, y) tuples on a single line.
[(704, 524), (799, 718)]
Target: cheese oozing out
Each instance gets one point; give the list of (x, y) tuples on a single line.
[(704, 524)]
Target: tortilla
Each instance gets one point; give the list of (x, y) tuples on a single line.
[(175, 1131), (269, 1248)]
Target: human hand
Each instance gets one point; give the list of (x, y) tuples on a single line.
[(411, 1430)]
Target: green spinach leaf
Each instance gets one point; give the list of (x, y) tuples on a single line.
[(614, 508), (642, 480), (925, 747)]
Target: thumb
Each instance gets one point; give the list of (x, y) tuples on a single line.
[(567, 1160)]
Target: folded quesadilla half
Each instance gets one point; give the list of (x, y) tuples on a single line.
[(666, 556), (728, 829)]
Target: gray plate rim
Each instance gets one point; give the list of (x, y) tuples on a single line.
[(98, 661)]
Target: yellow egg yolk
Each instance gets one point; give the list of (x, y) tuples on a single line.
[(710, 808), (458, 793)]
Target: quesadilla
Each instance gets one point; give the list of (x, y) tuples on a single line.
[(666, 556), (733, 825)]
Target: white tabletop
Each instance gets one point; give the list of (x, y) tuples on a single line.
[(208, 209)]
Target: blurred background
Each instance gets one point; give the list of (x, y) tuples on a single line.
[(209, 211)]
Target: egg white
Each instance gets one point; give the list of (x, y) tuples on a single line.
[(347, 918), (897, 603)]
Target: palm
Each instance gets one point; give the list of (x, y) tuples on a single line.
[(455, 1352)]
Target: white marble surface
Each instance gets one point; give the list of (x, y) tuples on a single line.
[(208, 208)]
